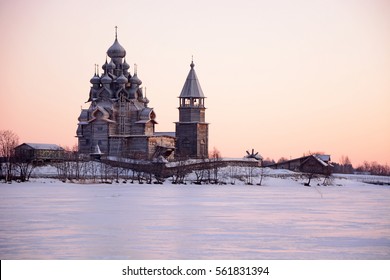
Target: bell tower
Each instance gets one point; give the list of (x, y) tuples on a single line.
[(191, 129)]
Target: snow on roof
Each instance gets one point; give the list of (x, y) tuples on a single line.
[(40, 146), (323, 159)]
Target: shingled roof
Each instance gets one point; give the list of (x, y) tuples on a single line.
[(191, 88), (41, 146)]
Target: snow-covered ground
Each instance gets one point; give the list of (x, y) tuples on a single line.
[(282, 219)]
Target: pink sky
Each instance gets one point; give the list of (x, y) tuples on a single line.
[(282, 77)]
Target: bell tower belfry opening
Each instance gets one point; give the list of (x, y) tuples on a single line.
[(192, 129)]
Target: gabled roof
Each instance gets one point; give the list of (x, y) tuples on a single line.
[(311, 158), (192, 87), (324, 160), (105, 114), (40, 146)]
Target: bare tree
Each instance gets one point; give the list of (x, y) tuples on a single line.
[(249, 172), (346, 165), (8, 141), (200, 172), (106, 173), (25, 167), (148, 174), (310, 153), (157, 169), (233, 174), (215, 158), (263, 174), (268, 161), (374, 168), (310, 175), (63, 169), (65, 166), (180, 171), (93, 170), (139, 175), (282, 159)]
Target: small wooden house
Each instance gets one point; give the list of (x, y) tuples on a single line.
[(316, 164), (38, 152)]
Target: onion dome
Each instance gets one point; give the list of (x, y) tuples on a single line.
[(125, 65), (135, 80), (106, 79), (145, 99), (95, 80), (121, 80), (104, 66), (111, 65), (116, 50)]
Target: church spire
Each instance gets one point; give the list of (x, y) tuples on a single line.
[(192, 129), (192, 88)]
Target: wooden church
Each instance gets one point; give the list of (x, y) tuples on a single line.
[(120, 123)]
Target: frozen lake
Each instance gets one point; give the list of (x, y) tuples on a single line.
[(282, 220)]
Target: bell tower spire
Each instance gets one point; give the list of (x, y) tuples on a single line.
[(192, 129)]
